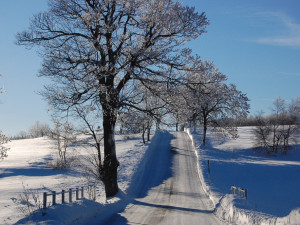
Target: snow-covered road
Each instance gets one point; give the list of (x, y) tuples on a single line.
[(170, 189)]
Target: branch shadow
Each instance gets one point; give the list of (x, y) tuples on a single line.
[(136, 202), (155, 167)]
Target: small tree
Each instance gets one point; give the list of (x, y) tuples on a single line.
[(276, 132), (39, 130), (89, 116), (63, 134), (3, 149), (3, 138), (135, 121)]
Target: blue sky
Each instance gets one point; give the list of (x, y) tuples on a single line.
[(256, 43)]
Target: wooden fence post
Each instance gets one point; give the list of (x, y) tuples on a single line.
[(44, 200), (53, 197), (70, 195), (62, 196), (208, 164), (77, 193)]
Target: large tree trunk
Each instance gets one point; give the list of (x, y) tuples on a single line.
[(204, 129), (148, 130), (143, 134), (110, 164)]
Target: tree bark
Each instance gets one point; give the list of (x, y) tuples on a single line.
[(148, 131), (204, 129), (143, 134), (110, 165)]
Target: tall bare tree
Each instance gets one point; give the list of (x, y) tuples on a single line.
[(94, 49), (209, 99)]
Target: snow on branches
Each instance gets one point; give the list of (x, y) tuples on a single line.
[(3, 149)]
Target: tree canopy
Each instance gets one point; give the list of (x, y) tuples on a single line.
[(95, 50)]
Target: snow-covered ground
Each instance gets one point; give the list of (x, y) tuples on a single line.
[(26, 165), (273, 182)]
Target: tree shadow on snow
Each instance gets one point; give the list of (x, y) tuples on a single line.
[(271, 180), (155, 166)]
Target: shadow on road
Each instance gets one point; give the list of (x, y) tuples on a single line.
[(155, 167), (173, 207)]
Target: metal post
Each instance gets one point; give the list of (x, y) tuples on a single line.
[(82, 192), (62, 196), (53, 197), (70, 195), (246, 194), (44, 200)]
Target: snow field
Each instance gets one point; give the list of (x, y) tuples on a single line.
[(26, 165), (272, 181)]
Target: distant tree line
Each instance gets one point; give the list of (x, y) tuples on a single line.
[(38, 129)]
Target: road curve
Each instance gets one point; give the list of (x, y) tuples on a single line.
[(178, 198)]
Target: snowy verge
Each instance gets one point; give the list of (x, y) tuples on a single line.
[(225, 206), (214, 198), (134, 160), (227, 211)]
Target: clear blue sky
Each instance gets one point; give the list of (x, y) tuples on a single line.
[(256, 43)]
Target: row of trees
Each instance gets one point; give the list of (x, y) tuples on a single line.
[(207, 98), (38, 129), (110, 58), (277, 132)]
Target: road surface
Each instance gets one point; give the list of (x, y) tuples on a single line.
[(172, 192)]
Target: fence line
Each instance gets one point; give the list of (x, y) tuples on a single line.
[(240, 191), (90, 188)]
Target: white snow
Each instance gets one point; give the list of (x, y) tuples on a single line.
[(272, 181), (26, 164)]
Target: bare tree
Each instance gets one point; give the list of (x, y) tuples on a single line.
[(276, 132), (21, 135), (210, 100), (64, 136), (2, 90), (94, 49), (90, 118), (3, 149), (3, 138), (39, 130), (134, 121)]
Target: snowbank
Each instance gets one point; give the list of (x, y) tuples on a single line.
[(27, 163), (227, 211), (213, 196), (229, 207)]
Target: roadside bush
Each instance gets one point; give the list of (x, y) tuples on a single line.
[(28, 201)]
